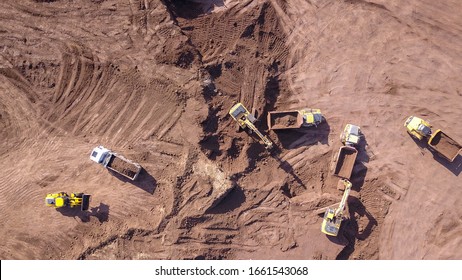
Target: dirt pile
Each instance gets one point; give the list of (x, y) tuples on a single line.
[(285, 121), (155, 80)]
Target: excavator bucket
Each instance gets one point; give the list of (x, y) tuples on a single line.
[(85, 202)]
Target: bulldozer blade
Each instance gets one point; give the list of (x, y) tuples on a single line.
[(85, 202)]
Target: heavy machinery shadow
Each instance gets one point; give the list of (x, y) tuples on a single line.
[(295, 138), (455, 167), (191, 9), (360, 169), (144, 181), (101, 212), (286, 166), (255, 152), (231, 201), (75, 212), (351, 228)]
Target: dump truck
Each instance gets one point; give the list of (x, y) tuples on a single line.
[(438, 141), (346, 155), (62, 199), (246, 120), (116, 162), (278, 120), (345, 161), (333, 217)]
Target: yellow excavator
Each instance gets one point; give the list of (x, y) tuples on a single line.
[(333, 217), (62, 199), (246, 120)]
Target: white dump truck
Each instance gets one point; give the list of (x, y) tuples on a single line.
[(116, 162)]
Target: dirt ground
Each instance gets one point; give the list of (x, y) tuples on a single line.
[(153, 80)]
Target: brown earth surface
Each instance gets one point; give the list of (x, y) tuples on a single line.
[(154, 80)]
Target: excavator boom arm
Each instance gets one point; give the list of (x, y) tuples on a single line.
[(342, 204), (265, 140)]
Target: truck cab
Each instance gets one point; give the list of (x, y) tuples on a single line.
[(417, 127), (99, 154), (311, 117), (350, 135)]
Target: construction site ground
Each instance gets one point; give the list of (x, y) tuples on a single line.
[(153, 80)]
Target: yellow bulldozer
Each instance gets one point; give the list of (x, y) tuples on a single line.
[(62, 199), (246, 120), (333, 217)]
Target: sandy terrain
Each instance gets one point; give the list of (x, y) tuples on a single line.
[(154, 80)]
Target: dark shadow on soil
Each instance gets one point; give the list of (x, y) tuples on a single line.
[(210, 143), (351, 227), (287, 167), (144, 181), (340, 239), (190, 9), (75, 212), (360, 169), (101, 213), (295, 138), (255, 152), (455, 167), (233, 200)]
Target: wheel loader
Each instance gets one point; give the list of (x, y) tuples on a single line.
[(62, 199), (438, 140), (333, 217), (246, 120)]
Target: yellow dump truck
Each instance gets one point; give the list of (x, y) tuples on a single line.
[(294, 119), (346, 155), (438, 141)]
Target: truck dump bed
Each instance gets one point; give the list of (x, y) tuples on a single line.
[(345, 161), (284, 120), (123, 166), (444, 145)]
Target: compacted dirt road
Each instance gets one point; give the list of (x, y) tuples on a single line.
[(154, 80)]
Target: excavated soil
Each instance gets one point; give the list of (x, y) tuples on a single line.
[(122, 166), (284, 121), (154, 80), (345, 163)]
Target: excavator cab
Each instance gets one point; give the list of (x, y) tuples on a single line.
[(418, 128)]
